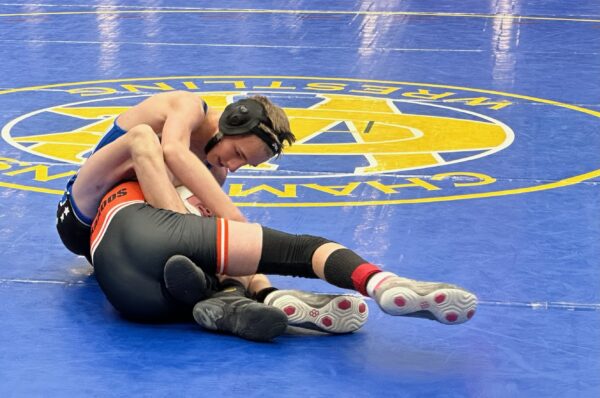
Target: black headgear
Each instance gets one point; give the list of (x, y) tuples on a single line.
[(244, 117)]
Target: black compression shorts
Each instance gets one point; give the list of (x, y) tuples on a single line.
[(73, 232), (130, 244)]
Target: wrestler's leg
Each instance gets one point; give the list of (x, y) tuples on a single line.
[(138, 149), (250, 249), (258, 283), (245, 245)]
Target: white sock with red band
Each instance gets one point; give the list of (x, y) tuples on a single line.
[(376, 280)]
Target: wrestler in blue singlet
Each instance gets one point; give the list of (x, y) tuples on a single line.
[(73, 226)]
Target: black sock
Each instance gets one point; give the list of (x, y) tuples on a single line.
[(262, 295)]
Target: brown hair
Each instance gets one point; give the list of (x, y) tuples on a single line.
[(281, 124)]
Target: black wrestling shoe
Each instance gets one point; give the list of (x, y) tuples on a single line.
[(229, 311), (186, 282)]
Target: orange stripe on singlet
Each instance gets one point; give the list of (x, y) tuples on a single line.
[(222, 245), (226, 254), (120, 196), (218, 245)]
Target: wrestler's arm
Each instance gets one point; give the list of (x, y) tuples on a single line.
[(183, 118)]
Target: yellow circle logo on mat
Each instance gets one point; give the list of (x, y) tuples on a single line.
[(359, 142)]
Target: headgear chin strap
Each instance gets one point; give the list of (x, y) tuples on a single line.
[(244, 117)]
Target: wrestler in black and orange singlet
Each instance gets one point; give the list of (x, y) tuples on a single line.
[(130, 243)]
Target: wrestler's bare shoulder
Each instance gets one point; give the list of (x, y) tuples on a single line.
[(154, 110), (171, 101)]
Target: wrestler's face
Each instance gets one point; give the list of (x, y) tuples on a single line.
[(233, 152)]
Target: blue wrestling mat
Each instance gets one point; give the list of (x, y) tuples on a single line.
[(443, 140)]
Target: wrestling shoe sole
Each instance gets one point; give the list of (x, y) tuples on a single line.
[(321, 312), (185, 281), (450, 306)]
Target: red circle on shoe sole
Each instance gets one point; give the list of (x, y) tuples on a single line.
[(289, 310), (399, 301), (440, 298), (344, 304), (451, 317), (362, 308), (470, 314), (327, 321)]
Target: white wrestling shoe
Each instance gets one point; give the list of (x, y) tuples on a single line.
[(330, 313), (445, 303)]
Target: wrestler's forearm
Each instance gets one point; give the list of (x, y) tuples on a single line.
[(220, 174), (198, 179)]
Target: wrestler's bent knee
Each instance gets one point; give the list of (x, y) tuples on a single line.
[(144, 141)]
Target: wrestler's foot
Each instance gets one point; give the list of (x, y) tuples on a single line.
[(442, 302), (186, 282), (230, 311), (322, 312)]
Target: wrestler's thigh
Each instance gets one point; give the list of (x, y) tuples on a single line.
[(245, 248)]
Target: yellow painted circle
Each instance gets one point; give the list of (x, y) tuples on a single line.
[(384, 134)]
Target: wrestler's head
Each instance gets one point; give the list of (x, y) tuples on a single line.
[(251, 131)]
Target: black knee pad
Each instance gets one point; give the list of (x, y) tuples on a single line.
[(287, 254)]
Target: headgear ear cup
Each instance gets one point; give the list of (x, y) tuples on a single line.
[(245, 117)]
